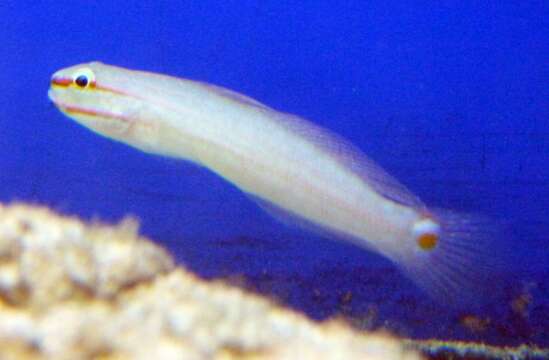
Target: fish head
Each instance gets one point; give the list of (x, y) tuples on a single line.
[(99, 97)]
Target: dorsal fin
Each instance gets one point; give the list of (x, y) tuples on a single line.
[(234, 96), (336, 146), (351, 157)]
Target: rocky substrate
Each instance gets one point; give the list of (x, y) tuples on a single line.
[(70, 290)]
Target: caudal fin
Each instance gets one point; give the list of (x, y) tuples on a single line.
[(463, 263)]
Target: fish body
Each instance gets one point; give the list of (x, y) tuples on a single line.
[(283, 160)]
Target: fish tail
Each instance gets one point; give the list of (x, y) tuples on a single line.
[(457, 258)]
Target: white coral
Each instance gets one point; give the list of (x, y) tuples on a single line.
[(65, 294)]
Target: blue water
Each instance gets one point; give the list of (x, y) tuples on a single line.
[(450, 98)]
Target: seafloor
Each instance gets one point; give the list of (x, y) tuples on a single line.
[(75, 291), (371, 294)]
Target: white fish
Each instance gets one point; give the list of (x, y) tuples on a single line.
[(286, 162)]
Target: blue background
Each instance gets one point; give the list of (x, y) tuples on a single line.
[(452, 99)]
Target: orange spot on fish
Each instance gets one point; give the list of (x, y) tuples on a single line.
[(427, 241)]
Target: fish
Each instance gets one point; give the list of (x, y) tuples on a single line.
[(296, 170)]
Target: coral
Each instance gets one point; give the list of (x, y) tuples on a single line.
[(45, 259), (75, 291)]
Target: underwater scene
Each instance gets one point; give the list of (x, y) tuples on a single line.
[(377, 167)]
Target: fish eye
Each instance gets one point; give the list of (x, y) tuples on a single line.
[(81, 81), (84, 78)]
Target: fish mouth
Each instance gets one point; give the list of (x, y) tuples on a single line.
[(74, 110), (51, 96)]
